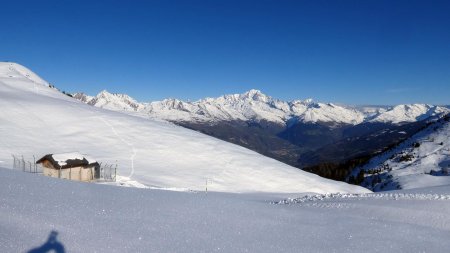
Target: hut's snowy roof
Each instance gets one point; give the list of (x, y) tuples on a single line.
[(68, 160)]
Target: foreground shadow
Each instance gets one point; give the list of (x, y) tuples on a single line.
[(51, 245)]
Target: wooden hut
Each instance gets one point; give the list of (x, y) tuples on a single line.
[(72, 166)]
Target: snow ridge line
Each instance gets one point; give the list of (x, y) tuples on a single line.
[(384, 196), (133, 155)]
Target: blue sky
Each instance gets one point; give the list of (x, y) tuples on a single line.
[(354, 52)]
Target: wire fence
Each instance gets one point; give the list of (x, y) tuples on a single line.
[(108, 172), (26, 164)]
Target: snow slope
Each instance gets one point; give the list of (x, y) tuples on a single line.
[(37, 120), (255, 106), (99, 218), (421, 161)]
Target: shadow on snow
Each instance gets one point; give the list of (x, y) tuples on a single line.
[(51, 245)]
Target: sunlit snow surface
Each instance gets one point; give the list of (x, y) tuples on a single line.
[(37, 120), (101, 218)]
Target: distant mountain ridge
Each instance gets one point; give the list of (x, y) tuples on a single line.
[(254, 105)]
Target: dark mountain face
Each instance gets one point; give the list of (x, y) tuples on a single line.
[(361, 141), (311, 136), (311, 146), (258, 136)]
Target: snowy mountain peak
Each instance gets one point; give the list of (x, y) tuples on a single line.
[(82, 97), (104, 93), (305, 102), (252, 93), (170, 104), (308, 101), (255, 95), (112, 101), (107, 95)]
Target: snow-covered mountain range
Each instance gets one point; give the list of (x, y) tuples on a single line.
[(253, 105), (36, 119)]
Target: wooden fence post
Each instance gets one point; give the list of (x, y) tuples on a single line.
[(101, 171), (115, 173), (14, 164)]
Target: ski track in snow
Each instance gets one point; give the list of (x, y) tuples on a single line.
[(133, 155)]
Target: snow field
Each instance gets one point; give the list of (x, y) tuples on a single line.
[(101, 218)]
